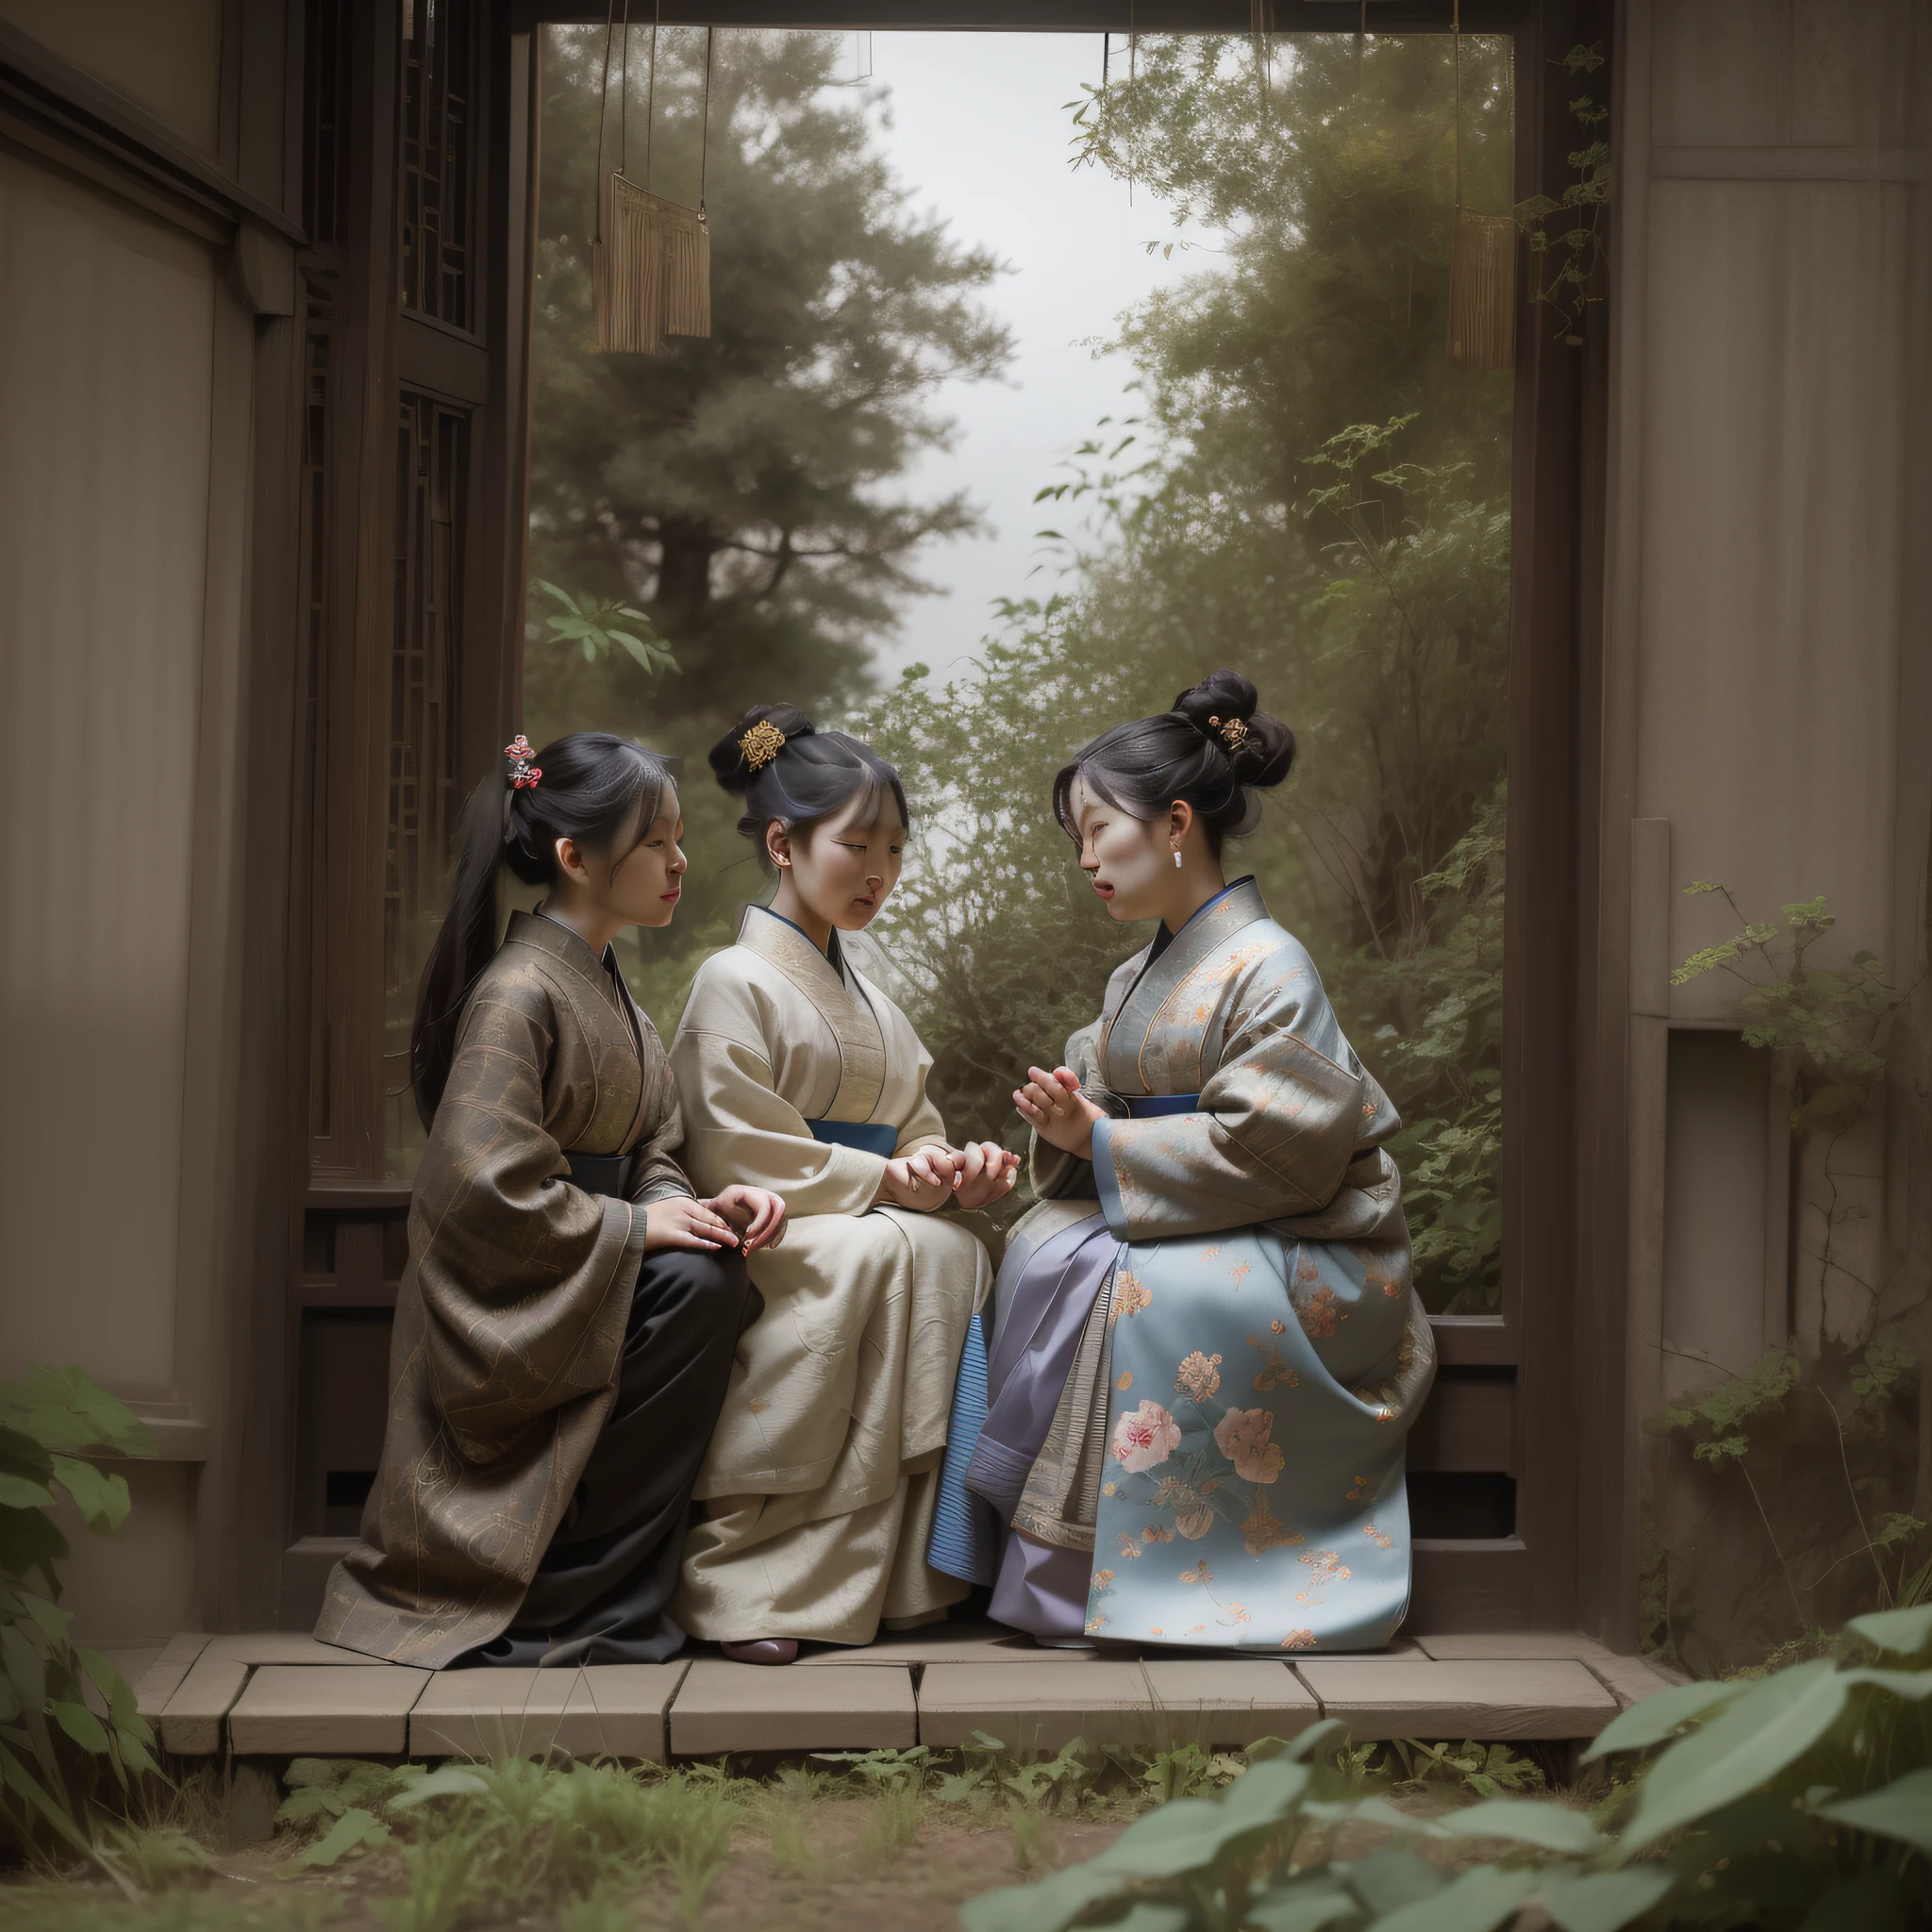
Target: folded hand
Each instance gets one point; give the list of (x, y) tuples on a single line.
[(1054, 1107), (678, 1221), (757, 1214), (922, 1181), (983, 1171)]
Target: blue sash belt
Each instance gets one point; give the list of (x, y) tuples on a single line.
[(1157, 1104), (868, 1137)]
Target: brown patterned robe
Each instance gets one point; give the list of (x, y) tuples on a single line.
[(511, 1315)]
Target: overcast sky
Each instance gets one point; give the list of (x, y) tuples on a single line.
[(980, 132)]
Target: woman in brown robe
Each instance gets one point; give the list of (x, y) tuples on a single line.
[(567, 1322)]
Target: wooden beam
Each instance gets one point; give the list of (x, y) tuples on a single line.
[(51, 106)]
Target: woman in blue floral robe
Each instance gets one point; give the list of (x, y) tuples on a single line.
[(1207, 1349)]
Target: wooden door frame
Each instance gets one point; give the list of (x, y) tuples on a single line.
[(343, 1212), (1561, 1325), (1559, 1329)]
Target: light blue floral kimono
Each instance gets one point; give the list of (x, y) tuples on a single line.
[(1199, 1395)]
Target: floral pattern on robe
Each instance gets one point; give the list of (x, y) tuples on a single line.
[(1269, 1353)]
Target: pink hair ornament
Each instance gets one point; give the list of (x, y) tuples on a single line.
[(523, 775)]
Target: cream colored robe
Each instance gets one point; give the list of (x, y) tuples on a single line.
[(818, 1490)]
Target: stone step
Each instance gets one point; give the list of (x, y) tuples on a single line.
[(608, 1710), (1490, 1699), (724, 1707), (284, 1694)]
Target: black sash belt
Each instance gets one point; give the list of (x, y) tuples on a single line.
[(601, 1174)]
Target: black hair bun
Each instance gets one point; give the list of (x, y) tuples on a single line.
[(1222, 708), (731, 762)]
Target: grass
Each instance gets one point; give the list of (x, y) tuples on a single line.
[(1027, 1828), (893, 1823), (592, 1848)]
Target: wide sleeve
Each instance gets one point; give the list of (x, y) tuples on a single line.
[(656, 1173), (920, 1124), (1278, 1125), (739, 1127), (525, 1281)]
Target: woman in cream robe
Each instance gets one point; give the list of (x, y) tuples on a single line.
[(819, 1491)]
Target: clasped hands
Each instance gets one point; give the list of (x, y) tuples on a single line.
[(969, 1177), (1054, 1107), (743, 1218)]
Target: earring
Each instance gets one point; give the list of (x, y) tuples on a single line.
[(1177, 859)]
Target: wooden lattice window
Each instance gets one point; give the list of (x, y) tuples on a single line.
[(438, 251), (425, 784)]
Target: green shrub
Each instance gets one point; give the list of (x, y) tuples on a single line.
[(56, 1743), (1799, 1799)]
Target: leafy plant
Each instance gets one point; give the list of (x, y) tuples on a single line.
[(55, 1739), (587, 622), (1801, 1798), (1189, 1769), (883, 1770), (1487, 1771), (1828, 1031), (1568, 259), (1829, 1018), (1445, 1071)]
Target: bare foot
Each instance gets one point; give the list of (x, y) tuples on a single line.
[(765, 1650)]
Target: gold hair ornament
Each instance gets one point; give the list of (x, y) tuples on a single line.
[(1234, 731), (761, 745)]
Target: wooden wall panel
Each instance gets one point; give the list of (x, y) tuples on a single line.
[(107, 367), (165, 57)]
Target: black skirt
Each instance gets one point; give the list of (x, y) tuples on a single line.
[(602, 1593)]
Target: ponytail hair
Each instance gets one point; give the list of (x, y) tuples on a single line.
[(592, 788), (786, 769), (1213, 751)]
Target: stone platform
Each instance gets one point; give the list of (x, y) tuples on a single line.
[(284, 1695)]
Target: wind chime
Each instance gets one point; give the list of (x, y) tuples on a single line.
[(1482, 266), (650, 255)]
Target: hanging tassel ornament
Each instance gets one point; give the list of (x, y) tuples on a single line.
[(650, 255), (1482, 267)]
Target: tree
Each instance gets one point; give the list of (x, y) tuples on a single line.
[(739, 485), (1313, 496), (743, 489)]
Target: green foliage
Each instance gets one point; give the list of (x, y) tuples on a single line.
[(1723, 1424), (154, 1857), (67, 1717), (1307, 492), (891, 1823), (750, 493), (1718, 1419), (1830, 1018), (480, 1844), (883, 1770), (1268, 510), (1487, 1771), (993, 925), (61, 1906), (1568, 238), (1802, 1798), (1189, 1770), (586, 622), (1446, 1070)]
